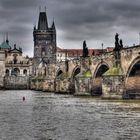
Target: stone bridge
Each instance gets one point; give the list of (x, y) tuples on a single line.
[(86, 75)]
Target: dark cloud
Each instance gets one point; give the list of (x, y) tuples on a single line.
[(76, 20)]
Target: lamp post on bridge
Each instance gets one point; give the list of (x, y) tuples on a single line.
[(102, 52)]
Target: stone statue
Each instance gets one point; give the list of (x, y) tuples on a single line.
[(85, 49), (117, 49), (117, 38), (121, 44), (116, 41)]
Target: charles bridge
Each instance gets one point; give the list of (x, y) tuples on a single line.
[(95, 75)]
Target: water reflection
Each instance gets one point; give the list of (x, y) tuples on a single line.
[(47, 116)]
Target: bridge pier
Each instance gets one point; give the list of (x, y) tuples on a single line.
[(62, 85), (83, 83), (48, 85), (96, 89), (113, 85)]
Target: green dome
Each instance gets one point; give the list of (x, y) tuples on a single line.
[(5, 45)]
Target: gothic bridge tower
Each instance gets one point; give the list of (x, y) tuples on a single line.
[(44, 41)]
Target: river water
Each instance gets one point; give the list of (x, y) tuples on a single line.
[(48, 116)]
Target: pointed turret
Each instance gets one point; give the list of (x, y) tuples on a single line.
[(34, 27), (53, 25), (42, 23), (7, 41)]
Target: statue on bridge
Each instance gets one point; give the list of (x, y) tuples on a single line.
[(85, 49), (118, 43), (121, 44), (118, 47)]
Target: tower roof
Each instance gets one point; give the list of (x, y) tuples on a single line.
[(42, 23)]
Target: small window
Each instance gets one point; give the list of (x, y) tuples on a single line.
[(25, 72), (7, 72)]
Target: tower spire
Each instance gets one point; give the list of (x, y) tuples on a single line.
[(7, 41), (42, 23), (53, 24), (45, 8), (39, 9), (3, 38)]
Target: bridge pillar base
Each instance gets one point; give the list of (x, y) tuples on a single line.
[(113, 86), (82, 86)]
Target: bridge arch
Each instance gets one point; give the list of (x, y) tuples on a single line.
[(59, 72), (132, 81), (132, 66), (7, 72), (75, 71), (58, 81), (101, 68)]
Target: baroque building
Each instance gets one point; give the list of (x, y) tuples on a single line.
[(16, 68), (16, 64), (44, 42)]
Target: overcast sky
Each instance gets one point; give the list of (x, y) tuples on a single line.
[(95, 21)]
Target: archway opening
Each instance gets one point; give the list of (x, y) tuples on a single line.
[(133, 80), (97, 80), (76, 72), (59, 73), (7, 72), (58, 83), (25, 72), (102, 69), (16, 71), (73, 78), (135, 71)]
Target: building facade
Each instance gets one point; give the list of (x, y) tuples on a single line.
[(17, 64)]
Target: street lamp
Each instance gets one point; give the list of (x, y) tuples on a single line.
[(102, 52)]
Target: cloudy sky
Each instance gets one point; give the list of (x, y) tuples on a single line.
[(95, 21)]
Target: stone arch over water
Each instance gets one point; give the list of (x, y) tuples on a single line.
[(7, 72), (132, 82), (75, 72), (59, 72), (97, 78)]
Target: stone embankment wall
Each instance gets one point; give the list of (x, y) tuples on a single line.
[(16, 82)]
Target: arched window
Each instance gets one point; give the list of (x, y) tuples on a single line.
[(7, 72), (15, 58), (16, 71), (25, 72)]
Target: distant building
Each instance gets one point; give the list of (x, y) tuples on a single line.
[(16, 64), (44, 42)]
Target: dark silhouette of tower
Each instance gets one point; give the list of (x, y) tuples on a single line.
[(44, 41)]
